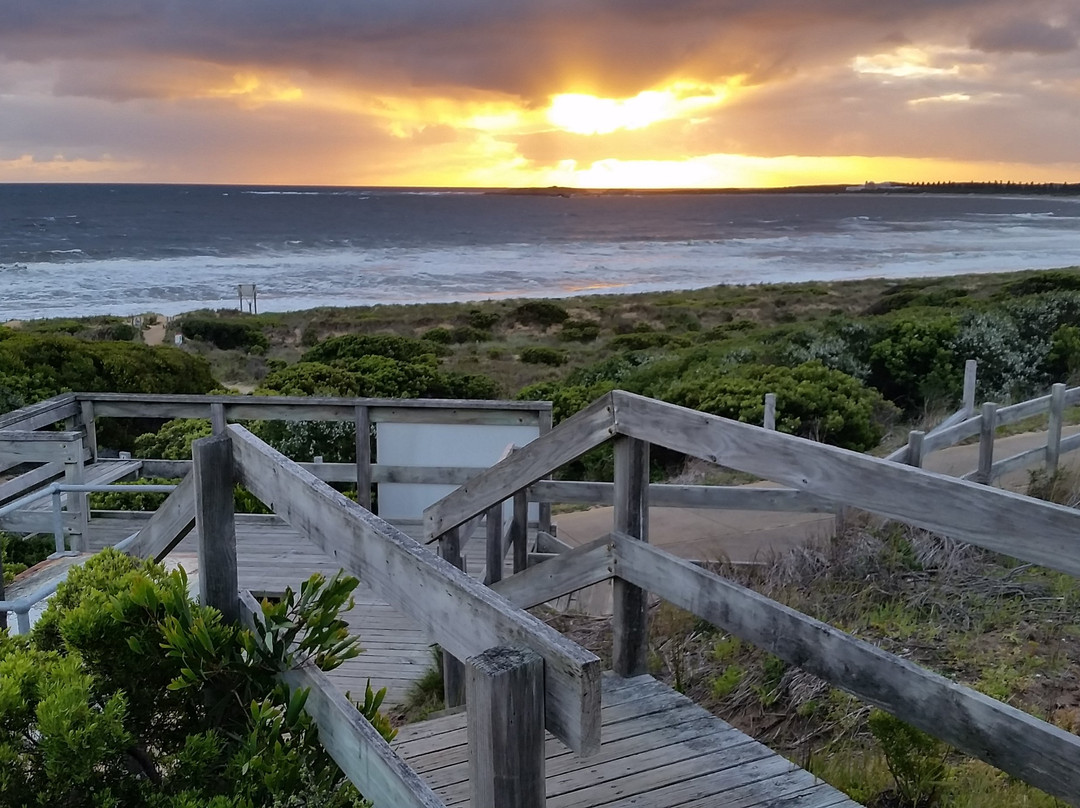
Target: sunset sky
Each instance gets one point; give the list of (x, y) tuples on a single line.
[(602, 93)]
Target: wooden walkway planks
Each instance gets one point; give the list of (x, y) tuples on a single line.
[(659, 749)]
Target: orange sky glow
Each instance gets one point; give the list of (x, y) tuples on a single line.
[(481, 94)]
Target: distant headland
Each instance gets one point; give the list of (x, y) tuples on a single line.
[(997, 188)]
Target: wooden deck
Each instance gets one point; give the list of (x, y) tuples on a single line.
[(659, 750)]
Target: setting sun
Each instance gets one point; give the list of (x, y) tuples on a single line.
[(582, 114)]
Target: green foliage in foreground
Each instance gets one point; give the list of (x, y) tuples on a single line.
[(127, 693), (20, 553)]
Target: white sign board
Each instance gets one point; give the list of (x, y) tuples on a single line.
[(456, 445)]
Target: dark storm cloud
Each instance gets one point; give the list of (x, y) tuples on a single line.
[(1024, 36), (525, 48)]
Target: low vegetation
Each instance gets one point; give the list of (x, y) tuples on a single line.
[(127, 693)]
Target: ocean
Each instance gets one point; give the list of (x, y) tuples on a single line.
[(75, 250)]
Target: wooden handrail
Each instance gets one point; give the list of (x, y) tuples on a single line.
[(462, 615)]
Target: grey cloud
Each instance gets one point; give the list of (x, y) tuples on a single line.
[(1024, 36)]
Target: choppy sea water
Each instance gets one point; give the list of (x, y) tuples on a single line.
[(70, 250)]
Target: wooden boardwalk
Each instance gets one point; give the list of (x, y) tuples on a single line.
[(659, 750)]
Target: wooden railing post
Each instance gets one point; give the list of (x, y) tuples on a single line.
[(217, 418), (453, 669), (78, 504), (544, 425), (915, 448), (1053, 429), (494, 536), (216, 523), (630, 616), (3, 612), (519, 535), (89, 428), (770, 411), (987, 432), (362, 419), (506, 728), (970, 369)]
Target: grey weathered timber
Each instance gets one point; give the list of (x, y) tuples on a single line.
[(363, 755), (462, 615), (89, 427), (453, 669), (948, 435), (547, 543), (519, 531), (362, 425), (1011, 740), (493, 531), (506, 728), (424, 475), (1053, 429), (218, 420), (559, 575), (1019, 526), (769, 421), (21, 446), (971, 369), (574, 436), (629, 620), (171, 522), (988, 428), (28, 481), (44, 413), (313, 408), (915, 448), (37, 522), (666, 495), (3, 612), (214, 515), (78, 505), (545, 424)]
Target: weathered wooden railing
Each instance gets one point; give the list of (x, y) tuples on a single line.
[(1028, 529), (541, 675)]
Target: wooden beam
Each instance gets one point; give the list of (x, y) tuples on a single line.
[(506, 728), (988, 428), (89, 427), (915, 448), (519, 532), (362, 425), (363, 755), (170, 523), (573, 437), (43, 413), (453, 669), (1021, 527), (462, 615), (214, 515), (19, 446), (28, 481), (666, 495), (630, 615), (568, 572), (971, 369), (1053, 429), (493, 550), (1013, 741)]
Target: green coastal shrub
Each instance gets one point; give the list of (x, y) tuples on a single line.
[(128, 693), (539, 355), (579, 331), (359, 346), (811, 400), (543, 313), (224, 334)]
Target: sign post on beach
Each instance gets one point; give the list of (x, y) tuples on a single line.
[(247, 290)]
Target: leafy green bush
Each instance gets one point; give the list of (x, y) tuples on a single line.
[(915, 759), (224, 334), (127, 693), (468, 333), (482, 320), (1042, 282), (539, 355), (173, 441), (811, 400), (19, 553), (360, 346), (914, 362), (243, 500), (579, 331), (440, 335), (541, 313)]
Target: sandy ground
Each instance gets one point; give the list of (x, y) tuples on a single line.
[(155, 334)]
